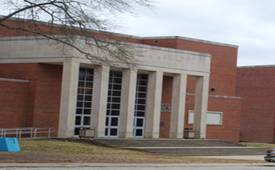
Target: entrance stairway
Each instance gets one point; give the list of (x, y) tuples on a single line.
[(182, 147), (131, 143)]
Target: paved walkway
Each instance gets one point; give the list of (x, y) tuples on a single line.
[(138, 166), (240, 157), (192, 147)]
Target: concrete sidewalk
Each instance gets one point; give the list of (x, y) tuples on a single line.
[(72, 165), (239, 157)]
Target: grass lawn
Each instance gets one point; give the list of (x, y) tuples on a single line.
[(56, 151), (259, 145)]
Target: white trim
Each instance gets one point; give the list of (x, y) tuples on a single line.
[(217, 96)]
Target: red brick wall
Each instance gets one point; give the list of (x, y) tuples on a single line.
[(14, 103), (166, 99), (256, 86), (45, 90), (23, 28)]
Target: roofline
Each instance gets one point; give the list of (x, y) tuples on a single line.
[(194, 40), (257, 66), (134, 36)]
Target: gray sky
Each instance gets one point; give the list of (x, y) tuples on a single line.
[(250, 24)]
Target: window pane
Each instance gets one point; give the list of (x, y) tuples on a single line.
[(76, 131), (114, 121), (142, 82), (87, 120), (80, 97), (115, 106), (117, 80), (141, 101), (88, 98), (87, 111), (141, 95), (141, 88), (81, 84), (116, 99), (107, 121), (139, 122), (116, 93), (140, 113), (77, 120), (79, 111), (80, 90), (139, 132), (113, 132), (88, 104), (79, 104), (89, 84), (81, 75), (115, 112), (88, 91), (141, 107)]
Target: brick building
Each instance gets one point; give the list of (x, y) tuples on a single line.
[(178, 83), (256, 87)]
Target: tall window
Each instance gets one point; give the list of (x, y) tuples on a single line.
[(113, 105), (140, 105), (84, 100)]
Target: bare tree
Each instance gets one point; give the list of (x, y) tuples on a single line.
[(70, 18)]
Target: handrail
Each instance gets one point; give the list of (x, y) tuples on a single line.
[(27, 132)]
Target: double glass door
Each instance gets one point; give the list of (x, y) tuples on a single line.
[(113, 104), (84, 100), (140, 105)]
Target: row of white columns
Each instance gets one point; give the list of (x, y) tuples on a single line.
[(153, 105)]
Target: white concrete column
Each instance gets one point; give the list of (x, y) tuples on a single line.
[(201, 105), (68, 98), (127, 108), (100, 95), (178, 105), (153, 104)]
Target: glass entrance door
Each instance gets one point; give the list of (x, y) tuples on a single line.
[(113, 105), (84, 100), (140, 105)]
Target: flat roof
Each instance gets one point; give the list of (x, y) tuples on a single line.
[(194, 40), (257, 66)]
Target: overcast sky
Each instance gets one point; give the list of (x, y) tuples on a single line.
[(250, 24)]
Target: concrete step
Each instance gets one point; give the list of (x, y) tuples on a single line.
[(209, 151), (162, 143)]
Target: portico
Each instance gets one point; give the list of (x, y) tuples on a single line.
[(117, 100)]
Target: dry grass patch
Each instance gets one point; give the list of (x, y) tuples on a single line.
[(259, 145), (56, 151)]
